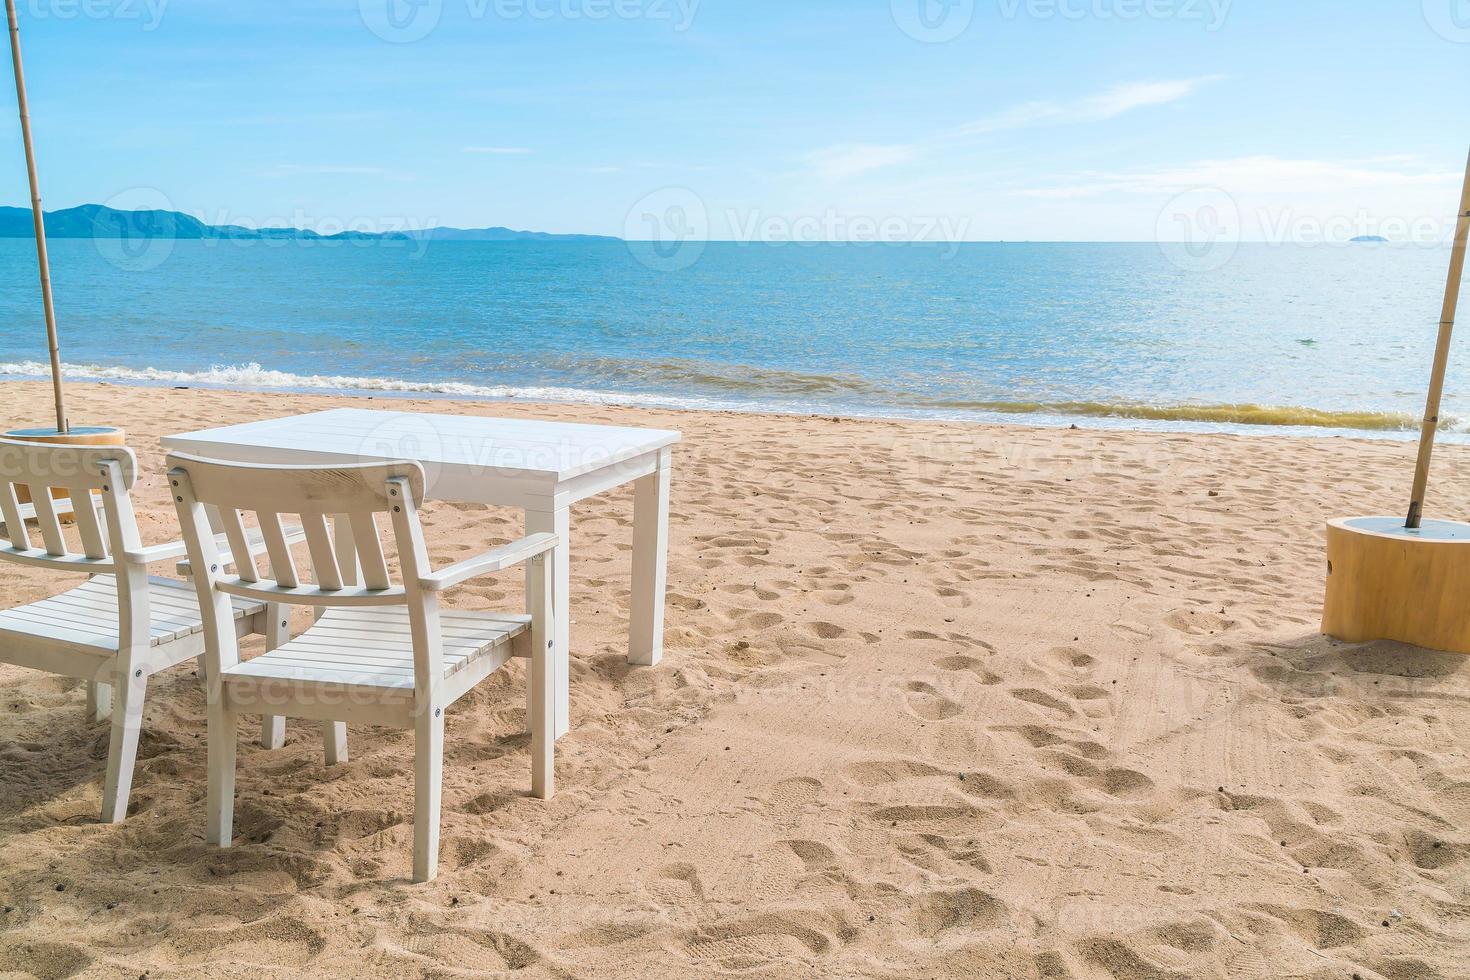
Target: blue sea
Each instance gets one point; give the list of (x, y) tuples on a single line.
[(1281, 338)]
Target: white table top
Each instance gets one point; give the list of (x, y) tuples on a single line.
[(553, 450)]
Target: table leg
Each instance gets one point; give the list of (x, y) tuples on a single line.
[(650, 561), (558, 522)]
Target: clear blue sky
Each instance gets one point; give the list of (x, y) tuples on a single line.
[(1038, 119)]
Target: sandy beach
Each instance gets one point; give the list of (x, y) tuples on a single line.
[(940, 701)]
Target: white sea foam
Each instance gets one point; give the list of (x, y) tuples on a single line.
[(253, 376)]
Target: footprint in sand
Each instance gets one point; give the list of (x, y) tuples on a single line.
[(43, 959), (747, 943), (826, 631), (1319, 929), (944, 820), (357, 824), (813, 855), (789, 798), (1043, 700), (964, 908), (1124, 783), (1069, 659), (677, 885), (925, 701), (953, 598), (960, 663), (882, 772)]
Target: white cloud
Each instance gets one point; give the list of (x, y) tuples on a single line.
[(851, 160), (503, 151), (1110, 104), (854, 159)]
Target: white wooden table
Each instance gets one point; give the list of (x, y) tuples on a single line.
[(541, 467)]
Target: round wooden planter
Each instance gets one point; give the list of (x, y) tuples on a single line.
[(1386, 582), (78, 435)]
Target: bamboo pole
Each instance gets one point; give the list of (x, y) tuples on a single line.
[(41, 257), (1441, 358)]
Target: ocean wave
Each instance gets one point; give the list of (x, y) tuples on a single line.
[(253, 376), (761, 390)]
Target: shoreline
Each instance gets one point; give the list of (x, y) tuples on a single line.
[(551, 395)]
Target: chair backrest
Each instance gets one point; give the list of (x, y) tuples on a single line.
[(350, 496), (38, 467)]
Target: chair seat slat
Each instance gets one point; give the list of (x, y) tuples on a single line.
[(88, 614), (325, 654)]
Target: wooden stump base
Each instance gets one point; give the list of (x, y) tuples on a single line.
[(1386, 582)]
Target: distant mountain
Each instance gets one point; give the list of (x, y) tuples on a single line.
[(1369, 238), (99, 221)]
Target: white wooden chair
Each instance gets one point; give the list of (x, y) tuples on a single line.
[(379, 653), (121, 626)]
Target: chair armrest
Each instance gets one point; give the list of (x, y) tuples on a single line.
[(294, 534), (156, 553), (495, 560)]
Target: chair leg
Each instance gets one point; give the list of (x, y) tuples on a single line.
[(224, 731), (277, 632), (428, 775), (543, 724), (272, 732), (122, 748), (334, 742), (99, 701), (541, 692)]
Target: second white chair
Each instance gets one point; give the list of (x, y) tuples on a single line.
[(380, 653), (121, 626)]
